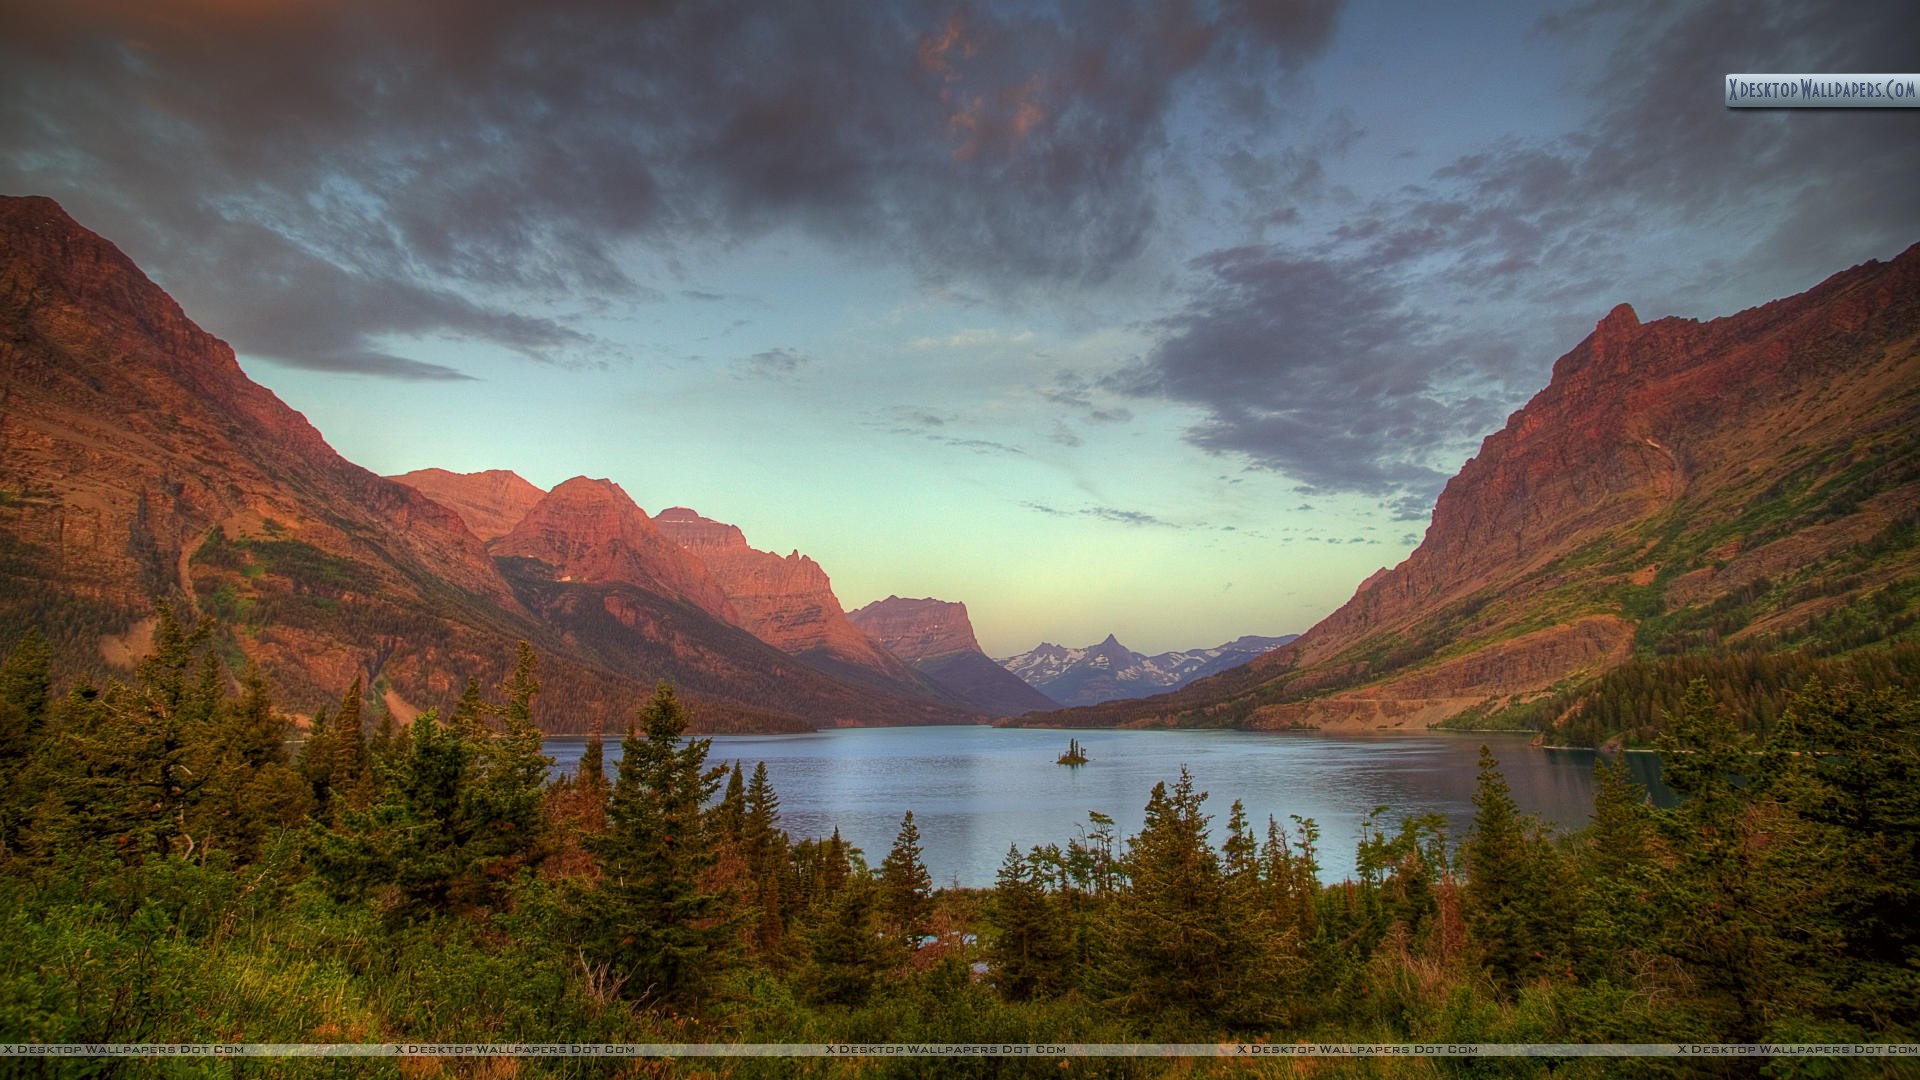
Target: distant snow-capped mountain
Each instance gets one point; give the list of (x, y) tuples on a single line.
[(1109, 670)]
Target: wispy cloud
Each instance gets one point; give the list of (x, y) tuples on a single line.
[(773, 364), (1104, 513), (977, 338)]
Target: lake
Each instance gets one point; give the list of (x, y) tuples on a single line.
[(974, 790)]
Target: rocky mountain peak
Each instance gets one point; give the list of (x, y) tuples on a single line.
[(690, 530), (917, 629), (590, 530), (1671, 475), (491, 502), (936, 637), (786, 601)]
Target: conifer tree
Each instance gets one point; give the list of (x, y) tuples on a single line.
[(845, 949), (471, 712), (730, 816), (1615, 913), (261, 789), (1727, 896), (1622, 825), (1846, 761), (1174, 945), (592, 771), (506, 797), (906, 890), (26, 685), (429, 854), (351, 777), (1292, 870), (1027, 955), (764, 845), (834, 868), (647, 917), (384, 745), (1500, 889), (589, 788), (137, 759)]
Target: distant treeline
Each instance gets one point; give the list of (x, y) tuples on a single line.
[(1632, 702)]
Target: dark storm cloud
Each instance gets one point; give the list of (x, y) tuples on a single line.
[(1808, 189), (445, 149), (1345, 364), (1308, 366)]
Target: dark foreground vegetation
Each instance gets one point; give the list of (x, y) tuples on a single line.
[(174, 869)]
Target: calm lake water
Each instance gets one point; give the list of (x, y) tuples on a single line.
[(975, 790)]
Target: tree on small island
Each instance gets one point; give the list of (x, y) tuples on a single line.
[(1075, 754)]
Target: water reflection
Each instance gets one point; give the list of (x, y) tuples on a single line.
[(976, 790)]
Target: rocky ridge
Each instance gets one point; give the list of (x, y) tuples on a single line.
[(1677, 485), (590, 531), (491, 502), (1110, 671), (788, 602), (138, 461), (937, 638)]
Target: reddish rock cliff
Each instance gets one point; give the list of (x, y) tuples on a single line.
[(917, 629), (936, 637), (1741, 476), (590, 531), (129, 437), (1639, 417), (785, 602), (491, 502), (137, 460)]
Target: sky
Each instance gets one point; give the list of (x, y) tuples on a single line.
[(1165, 320)]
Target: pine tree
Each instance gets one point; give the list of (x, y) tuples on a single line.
[(506, 802), (1615, 915), (647, 917), (471, 712), (906, 890), (384, 746), (26, 686), (1292, 870), (1727, 897), (729, 817), (1846, 761), (351, 778), (592, 771), (764, 845), (430, 859), (845, 948), (136, 760), (834, 866), (261, 790), (1174, 945), (315, 764), (1027, 955), (1497, 891), (413, 849)]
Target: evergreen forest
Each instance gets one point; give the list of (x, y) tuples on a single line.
[(177, 866)]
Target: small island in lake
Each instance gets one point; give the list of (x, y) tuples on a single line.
[(1075, 755)]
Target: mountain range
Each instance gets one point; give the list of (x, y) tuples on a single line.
[(1750, 482), (1110, 671), (138, 462)]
